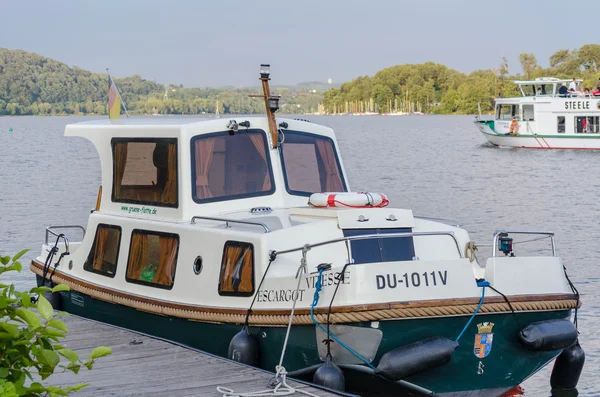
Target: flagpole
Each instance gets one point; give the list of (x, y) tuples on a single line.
[(118, 93)]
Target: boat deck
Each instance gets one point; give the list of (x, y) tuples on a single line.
[(145, 366)]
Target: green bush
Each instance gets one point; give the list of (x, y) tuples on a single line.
[(30, 331)]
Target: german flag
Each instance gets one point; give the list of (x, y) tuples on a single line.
[(114, 100)]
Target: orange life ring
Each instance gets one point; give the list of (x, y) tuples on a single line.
[(514, 127)]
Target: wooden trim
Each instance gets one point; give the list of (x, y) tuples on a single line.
[(336, 309)]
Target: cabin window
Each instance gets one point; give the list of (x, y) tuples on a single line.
[(561, 124), (528, 113), (227, 166), (587, 125), (507, 112), (104, 254), (152, 258), (237, 269), (310, 164), (145, 171)]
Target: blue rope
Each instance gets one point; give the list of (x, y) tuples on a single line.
[(481, 284), (318, 287)]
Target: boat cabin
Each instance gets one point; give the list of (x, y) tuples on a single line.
[(543, 110), (176, 169)]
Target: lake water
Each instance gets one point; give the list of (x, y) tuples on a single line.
[(435, 165)]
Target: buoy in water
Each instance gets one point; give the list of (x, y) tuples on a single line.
[(244, 348), (330, 375), (567, 368)]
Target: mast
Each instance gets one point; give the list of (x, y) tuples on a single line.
[(271, 102)]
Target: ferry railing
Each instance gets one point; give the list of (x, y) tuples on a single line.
[(50, 230), (372, 236), (452, 222), (498, 233), (228, 221)]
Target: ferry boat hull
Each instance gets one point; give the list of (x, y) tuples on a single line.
[(539, 141), (507, 365)]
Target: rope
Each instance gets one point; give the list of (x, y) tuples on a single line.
[(470, 249), (282, 388), (201, 314), (272, 256), (318, 287), (480, 283)]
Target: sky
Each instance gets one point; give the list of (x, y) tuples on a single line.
[(200, 43)]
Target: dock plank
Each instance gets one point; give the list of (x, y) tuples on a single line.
[(155, 367)]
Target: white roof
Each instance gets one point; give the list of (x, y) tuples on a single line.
[(545, 80)]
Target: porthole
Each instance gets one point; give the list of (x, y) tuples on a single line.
[(70, 265), (198, 265)]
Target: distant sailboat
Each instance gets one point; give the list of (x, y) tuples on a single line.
[(217, 111)]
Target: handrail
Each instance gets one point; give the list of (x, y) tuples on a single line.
[(50, 228), (497, 234), (434, 218), (228, 221), (370, 236)]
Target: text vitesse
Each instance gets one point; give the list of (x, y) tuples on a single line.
[(415, 279)]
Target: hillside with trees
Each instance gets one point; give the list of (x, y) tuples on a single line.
[(31, 84), (436, 88)]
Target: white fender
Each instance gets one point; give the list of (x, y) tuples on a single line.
[(348, 199)]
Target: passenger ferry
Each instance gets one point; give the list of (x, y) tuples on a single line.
[(543, 118), (215, 234)]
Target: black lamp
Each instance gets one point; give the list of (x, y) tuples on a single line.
[(265, 70), (273, 104)]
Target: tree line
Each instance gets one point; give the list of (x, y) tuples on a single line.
[(31, 84), (435, 88)]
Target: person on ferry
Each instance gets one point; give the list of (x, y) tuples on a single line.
[(562, 91), (573, 86)]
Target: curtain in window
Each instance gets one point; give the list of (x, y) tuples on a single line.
[(245, 283), (166, 266), (169, 194), (333, 182), (100, 247), (138, 256), (232, 254), (236, 270), (204, 154), (119, 167), (259, 144)]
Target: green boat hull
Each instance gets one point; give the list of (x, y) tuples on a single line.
[(508, 363)]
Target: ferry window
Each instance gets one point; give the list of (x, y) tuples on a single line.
[(230, 166), (152, 258), (145, 171), (310, 164), (528, 113), (587, 125), (561, 124), (104, 254), (508, 112), (237, 269)]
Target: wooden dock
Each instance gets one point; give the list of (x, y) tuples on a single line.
[(144, 366)]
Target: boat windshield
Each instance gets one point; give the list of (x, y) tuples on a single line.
[(227, 166), (310, 164)]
